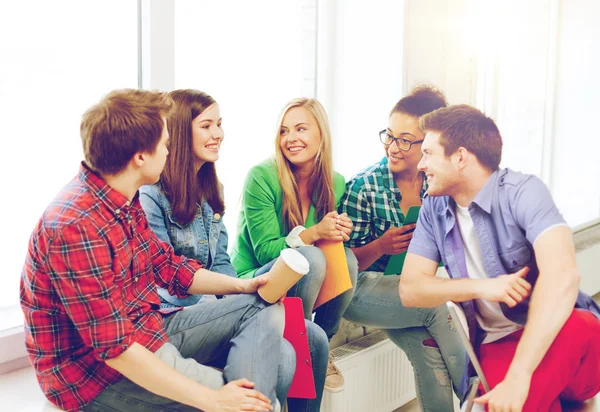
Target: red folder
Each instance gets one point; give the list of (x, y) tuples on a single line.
[(303, 384)]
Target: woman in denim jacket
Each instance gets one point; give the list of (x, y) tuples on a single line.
[(185, 209)]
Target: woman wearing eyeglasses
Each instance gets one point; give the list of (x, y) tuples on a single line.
[(377, 200)]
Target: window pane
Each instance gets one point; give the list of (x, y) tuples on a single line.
[(251, 63), (56, 59)]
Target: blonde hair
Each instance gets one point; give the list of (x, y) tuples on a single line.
[(322, 172)]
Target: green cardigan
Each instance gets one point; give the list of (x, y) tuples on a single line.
[(260, 230)]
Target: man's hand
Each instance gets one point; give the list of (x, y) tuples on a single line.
[(509, 395), (510, 289), (251, 285), (396, 240), (239, 396)]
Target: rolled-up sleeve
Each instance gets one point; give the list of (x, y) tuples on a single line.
[(80, 268), (534, 209), (423, 242), (171, 272), (358, 209)]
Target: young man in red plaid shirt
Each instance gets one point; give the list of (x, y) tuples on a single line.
[(94, 329)]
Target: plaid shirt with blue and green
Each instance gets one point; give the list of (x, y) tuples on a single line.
[(372, 201)]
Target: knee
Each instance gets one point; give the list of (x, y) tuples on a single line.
[(275, 318), (317, 338), (316, 260), (352, 265), (578, 321), (287, 363), (438, 316), (318, 344)]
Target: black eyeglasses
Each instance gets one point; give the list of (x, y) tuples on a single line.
[(402, 143)]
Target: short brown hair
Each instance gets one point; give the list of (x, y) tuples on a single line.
[(465, 126), (185, 188), (122, 124), (421, 100)]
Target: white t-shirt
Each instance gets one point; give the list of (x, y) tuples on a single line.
[(489, 314)]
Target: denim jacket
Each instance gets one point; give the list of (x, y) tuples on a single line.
[(204, 239)]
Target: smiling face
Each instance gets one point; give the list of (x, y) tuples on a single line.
[(443, 174), (402, 125), (300, 137), (207, 135)]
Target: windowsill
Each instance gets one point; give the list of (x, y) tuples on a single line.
[(10, 317), (13, 354), (21, 392)]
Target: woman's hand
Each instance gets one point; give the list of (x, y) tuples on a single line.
[(334, 227), (396, 240)]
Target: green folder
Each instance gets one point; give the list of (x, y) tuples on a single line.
[(396, 262)]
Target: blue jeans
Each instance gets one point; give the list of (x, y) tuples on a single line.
[(242, 334), (319, 353), (328, 316), (438, 363)]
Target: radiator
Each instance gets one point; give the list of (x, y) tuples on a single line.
[(378, 377)]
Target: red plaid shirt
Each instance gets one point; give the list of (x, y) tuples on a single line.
[(88, 288)]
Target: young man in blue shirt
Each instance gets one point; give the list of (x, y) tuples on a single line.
[(511, 260)]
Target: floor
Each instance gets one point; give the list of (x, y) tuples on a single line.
[(589, 406)]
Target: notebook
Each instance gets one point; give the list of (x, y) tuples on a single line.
[(303, 383)]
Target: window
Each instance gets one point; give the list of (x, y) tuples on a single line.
[(252, 64), (56, 59)]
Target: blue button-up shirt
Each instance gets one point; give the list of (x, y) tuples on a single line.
[(509, 213)]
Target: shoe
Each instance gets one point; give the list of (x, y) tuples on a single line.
[(334, 381)]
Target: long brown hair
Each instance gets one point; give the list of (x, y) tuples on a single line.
[(186, 189), (322, 172)]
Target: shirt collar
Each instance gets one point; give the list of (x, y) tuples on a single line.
[(387, 177), (113, 199), (485, 195)]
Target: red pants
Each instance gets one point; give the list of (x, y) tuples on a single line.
[(570, 370)]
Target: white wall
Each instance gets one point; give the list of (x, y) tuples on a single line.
[(577, 142), (360, 75), (52, 68), (532, 66), (252, 64), (439, 48)]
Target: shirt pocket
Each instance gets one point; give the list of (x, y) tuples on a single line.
[(122, 263), (515, 258), (215, 227), (384, 216), (180, 236)]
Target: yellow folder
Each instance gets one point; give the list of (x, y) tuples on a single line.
[(337, 277)]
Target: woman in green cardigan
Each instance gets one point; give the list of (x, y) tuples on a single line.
[(291, 200)]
